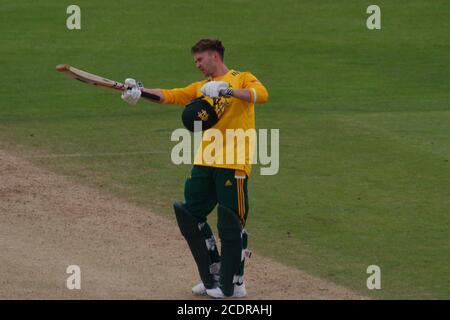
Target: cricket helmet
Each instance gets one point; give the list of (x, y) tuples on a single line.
[(199, 109)]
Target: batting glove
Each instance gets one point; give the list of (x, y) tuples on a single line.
[(133, 92), (215, 89)]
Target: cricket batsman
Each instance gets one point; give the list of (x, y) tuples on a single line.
[(229, 96)]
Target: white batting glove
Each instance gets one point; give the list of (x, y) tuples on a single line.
[(215, 89), (130, 83), (133, 92)]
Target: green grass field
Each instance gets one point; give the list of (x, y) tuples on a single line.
[(363, 116)]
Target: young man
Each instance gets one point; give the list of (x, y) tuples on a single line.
[(233, 95)]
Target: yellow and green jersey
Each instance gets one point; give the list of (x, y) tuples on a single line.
[(234, 114)]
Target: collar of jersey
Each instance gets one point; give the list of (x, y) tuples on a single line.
[(220, 77)]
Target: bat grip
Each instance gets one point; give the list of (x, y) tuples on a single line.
[(150, 96)]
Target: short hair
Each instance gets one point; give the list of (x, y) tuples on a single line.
[(208, 44)]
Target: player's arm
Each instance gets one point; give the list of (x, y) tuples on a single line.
[(180, 96), (252, 90), (247, 95)]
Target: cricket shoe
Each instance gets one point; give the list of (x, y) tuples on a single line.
[(239, 292), (200, 290)]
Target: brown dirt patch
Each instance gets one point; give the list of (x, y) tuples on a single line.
[(48, 222)]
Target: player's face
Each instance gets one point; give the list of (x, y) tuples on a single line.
[(206, 62)]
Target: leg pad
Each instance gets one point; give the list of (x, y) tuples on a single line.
[(191, 229), (230, 232)]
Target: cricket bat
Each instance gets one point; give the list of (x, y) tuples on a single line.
[(97, 80)]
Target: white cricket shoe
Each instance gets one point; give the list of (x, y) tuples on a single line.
[(239, 292), (199, 289)]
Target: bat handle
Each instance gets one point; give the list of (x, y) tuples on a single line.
[(150, 96)]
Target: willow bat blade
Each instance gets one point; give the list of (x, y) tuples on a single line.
[(90, 78), (99, 81)]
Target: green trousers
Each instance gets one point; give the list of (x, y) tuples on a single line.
[(206, 188)]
